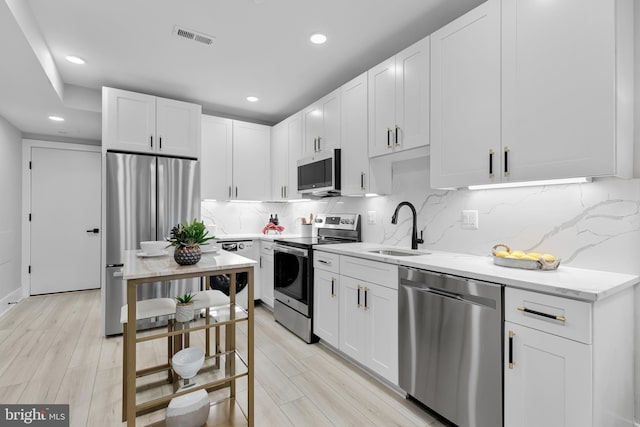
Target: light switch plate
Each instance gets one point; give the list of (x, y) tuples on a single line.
[(470, 219), (371, 217)]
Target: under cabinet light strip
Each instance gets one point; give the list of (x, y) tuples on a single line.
[(531, 183)]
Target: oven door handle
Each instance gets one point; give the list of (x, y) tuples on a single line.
[(292, 251)]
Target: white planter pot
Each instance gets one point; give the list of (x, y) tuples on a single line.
[(184, 312)]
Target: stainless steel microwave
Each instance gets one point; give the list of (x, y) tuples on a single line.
[(320, 175)]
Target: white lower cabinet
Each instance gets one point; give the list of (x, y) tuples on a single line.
[(567, 362), (369, 324), (326, 306), (266, 273), (549, 381)]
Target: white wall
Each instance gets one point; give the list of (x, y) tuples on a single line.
[(10, 209)]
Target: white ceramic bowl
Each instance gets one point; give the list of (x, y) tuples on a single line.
[(187, 362), (153, 247)]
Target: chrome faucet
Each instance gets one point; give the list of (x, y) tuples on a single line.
[(414, 230)]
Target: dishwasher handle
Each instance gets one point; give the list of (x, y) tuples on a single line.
[(441, 293)]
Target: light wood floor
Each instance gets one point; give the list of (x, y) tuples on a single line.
[(51, 351)]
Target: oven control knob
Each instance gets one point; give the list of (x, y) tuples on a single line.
[(241, 246), (342, 221)]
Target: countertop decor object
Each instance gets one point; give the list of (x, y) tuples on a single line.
[(187, 239), (187, 362), (184, 308), (532, 262)]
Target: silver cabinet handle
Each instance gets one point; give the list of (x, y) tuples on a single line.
[(324, 262), (319, 149), (333, 292), (362, 180), (285, 191), (236, 191), (388, 137), (229, 191)]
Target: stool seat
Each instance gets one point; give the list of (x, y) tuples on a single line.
[(150, 308), (209, 298)]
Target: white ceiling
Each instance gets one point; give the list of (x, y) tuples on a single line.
[(261, 48)]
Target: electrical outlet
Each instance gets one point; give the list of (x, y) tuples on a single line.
[(371, 217), (470, 219)]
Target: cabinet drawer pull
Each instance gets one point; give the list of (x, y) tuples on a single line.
[(324, 262), (229, 191), (366, 293), (160, 142), (397, 131), (506, 161), (359, 288), (285, 191), (333, 282), (491, 153), (388, 137), (511, 362), (319, 149), (362, 180), (539, 313), (151, 137), (236, 192)]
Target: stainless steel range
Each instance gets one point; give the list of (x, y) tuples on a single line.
[(293, 270)]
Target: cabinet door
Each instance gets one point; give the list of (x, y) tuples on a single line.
[(311, 128), (550, 381), (266, 274), (355, 161), (251, 161), (559, 95), (412, 97), (178, 128), (382, 94), (329, 137), (381, 330), (294, 130), (351, 335), (129, 121), (465, 99), (326, 308), (216, 158), (279, 160)]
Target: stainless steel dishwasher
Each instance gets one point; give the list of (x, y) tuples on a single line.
[(450, 345)]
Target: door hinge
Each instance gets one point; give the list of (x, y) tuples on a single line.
[(29, 269), (29, 217)]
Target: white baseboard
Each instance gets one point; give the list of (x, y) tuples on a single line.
[(14, 296)]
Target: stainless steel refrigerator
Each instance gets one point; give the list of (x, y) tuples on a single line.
[(146, 196)]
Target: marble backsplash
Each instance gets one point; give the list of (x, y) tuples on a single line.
[(592, 225)]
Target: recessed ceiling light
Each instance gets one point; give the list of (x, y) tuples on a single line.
[(252, 99), (75, 60), (318, 38), (56, 118)]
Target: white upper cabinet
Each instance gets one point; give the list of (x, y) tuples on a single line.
[(355, 160), (286, 149), (529, 90), (251, 161), (216, 161), (148, 124), (399, 101), (321, 125), (465, 99), (567, 85), (178, 127), (235, 163)]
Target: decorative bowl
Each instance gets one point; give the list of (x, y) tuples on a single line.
[(187, 362)]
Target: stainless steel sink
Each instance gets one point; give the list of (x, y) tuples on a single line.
[(395, 252)]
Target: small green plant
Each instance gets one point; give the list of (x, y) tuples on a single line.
[(189, 234), (185, 299)]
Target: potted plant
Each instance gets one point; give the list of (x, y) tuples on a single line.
[(184, 307), (187, 239)]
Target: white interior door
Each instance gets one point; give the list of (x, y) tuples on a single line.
[(65, 209)]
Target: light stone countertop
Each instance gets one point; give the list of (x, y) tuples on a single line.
[(136, 267), (569, 282)]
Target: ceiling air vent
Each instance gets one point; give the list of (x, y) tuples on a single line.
[(193, 35)]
